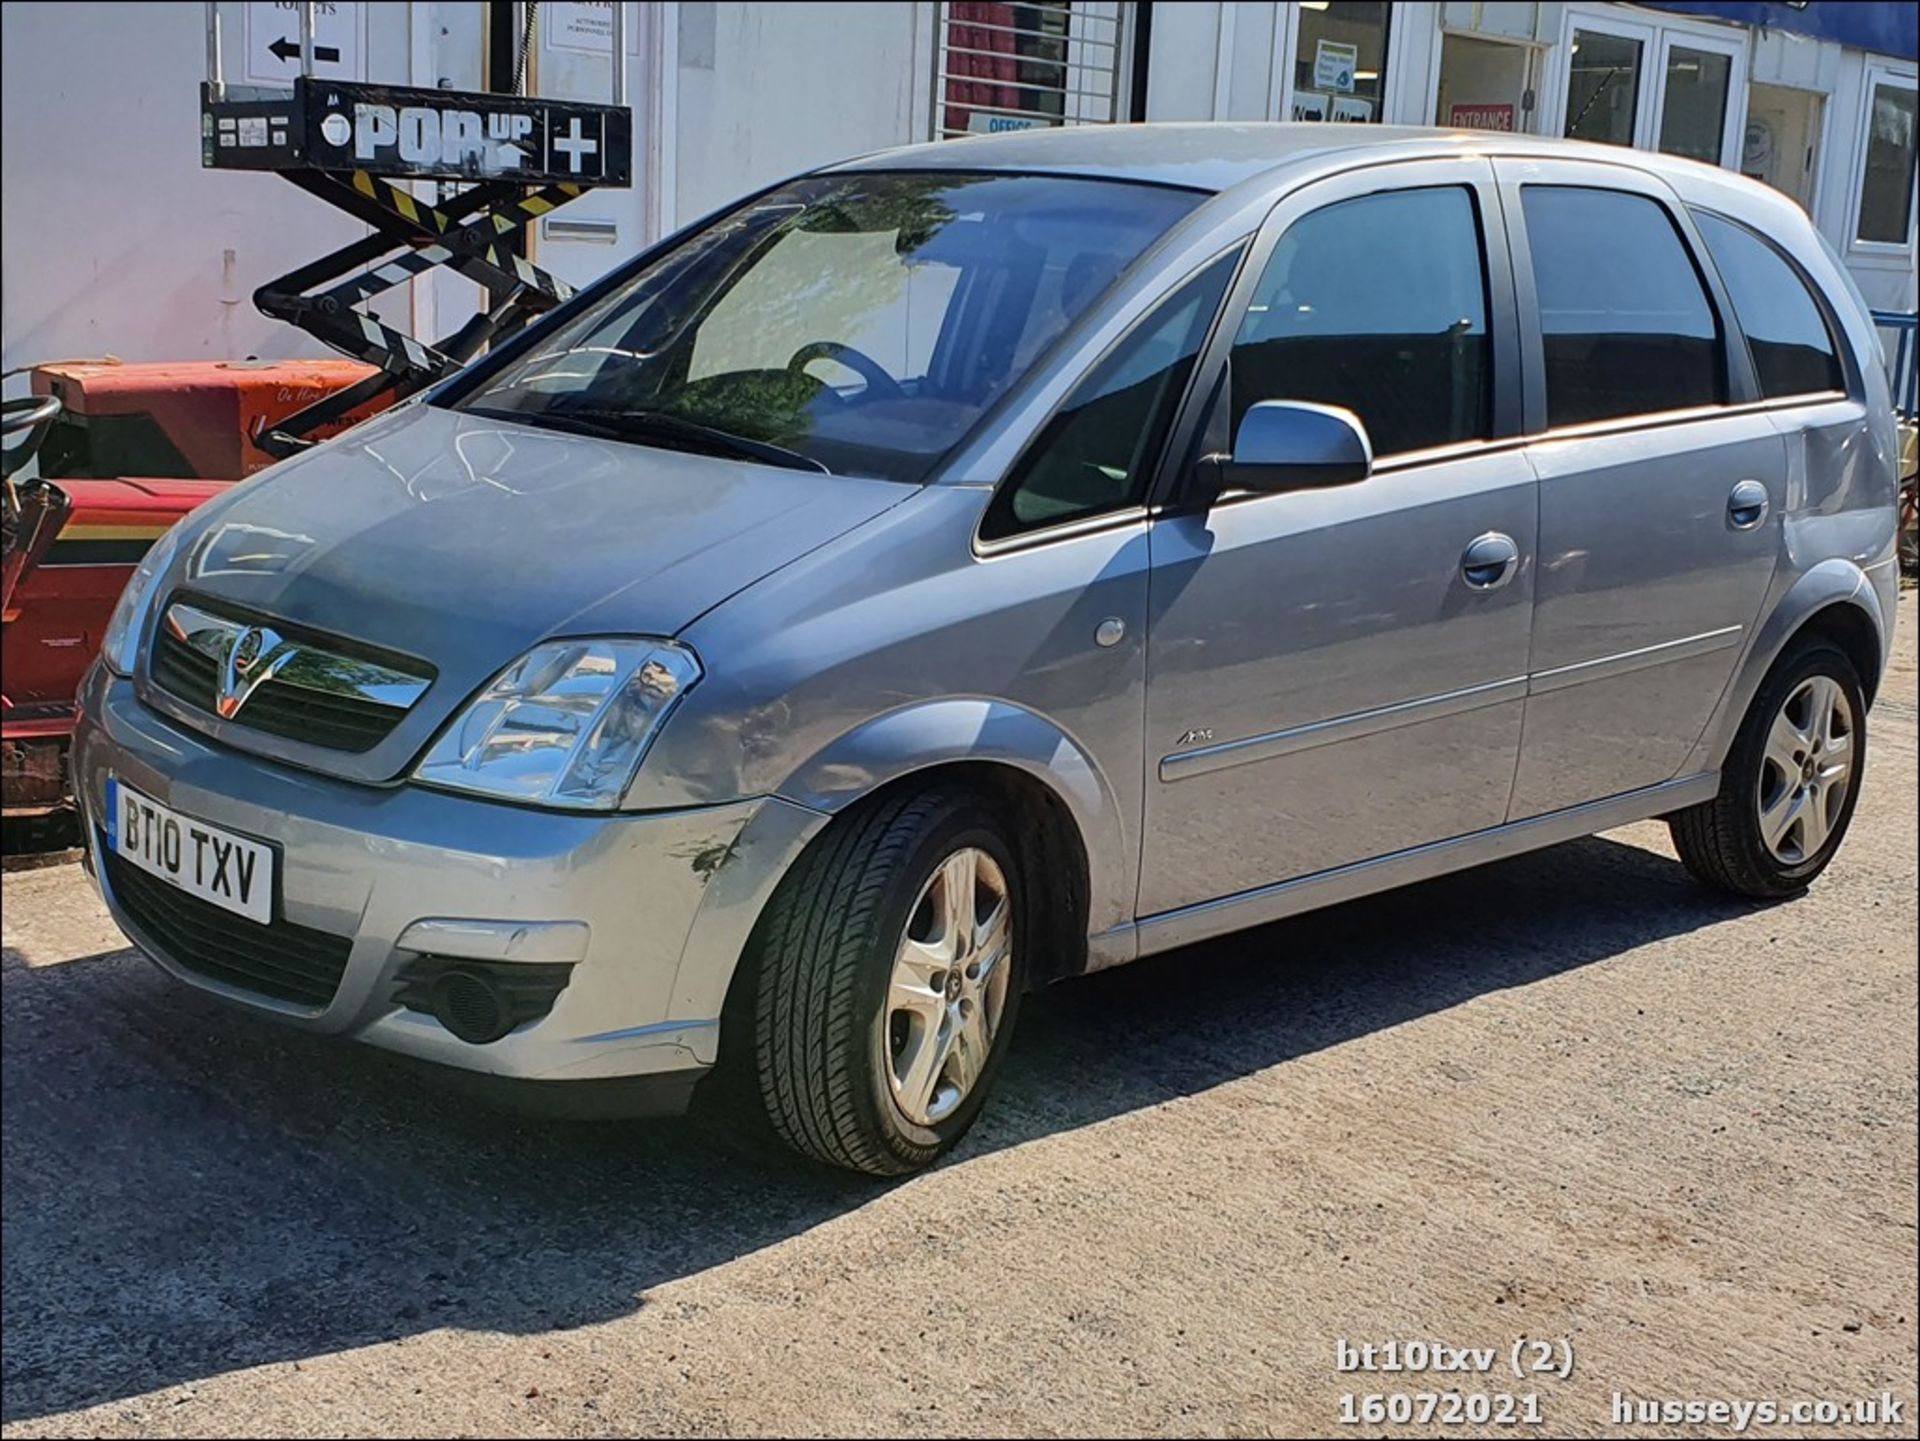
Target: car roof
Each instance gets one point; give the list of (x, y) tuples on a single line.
[(1218, 155)]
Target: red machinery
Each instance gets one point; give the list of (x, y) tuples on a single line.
[(125, 451)]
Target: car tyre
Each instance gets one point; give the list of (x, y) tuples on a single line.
[(899, 928), (1790, 782)]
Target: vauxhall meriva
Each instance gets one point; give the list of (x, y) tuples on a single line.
[(984, 563)]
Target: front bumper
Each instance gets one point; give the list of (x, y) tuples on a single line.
[(652, 909)]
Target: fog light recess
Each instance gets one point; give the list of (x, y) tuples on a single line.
[(480, 1001)]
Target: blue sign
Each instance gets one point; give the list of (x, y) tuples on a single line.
[(1885, 29)]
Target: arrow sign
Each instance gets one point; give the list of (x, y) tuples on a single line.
[(290, 50), (337, 47)]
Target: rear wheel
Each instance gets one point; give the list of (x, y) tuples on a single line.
[(888, 981), (1788, 789)]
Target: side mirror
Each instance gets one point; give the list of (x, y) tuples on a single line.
[(1294, 445)]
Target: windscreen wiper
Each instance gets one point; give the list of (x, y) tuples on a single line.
[(671, 430)]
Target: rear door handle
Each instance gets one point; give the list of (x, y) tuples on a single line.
[(1747, 505), (1490, 561)]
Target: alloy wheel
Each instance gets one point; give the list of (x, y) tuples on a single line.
[(1806, 770), (948, 990)]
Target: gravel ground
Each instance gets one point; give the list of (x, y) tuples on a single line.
[(1571, 1096)]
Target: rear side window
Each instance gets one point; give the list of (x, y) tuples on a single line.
[(1624, 319), (1098, 452), (1792, 348), (1378, 304)]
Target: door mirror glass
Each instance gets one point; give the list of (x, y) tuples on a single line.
[(1295, 445)]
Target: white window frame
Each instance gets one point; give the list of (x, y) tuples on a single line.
[(1286, 57), (1896, 77), (1596, 22), (1537, 50), (1656, 40), (1733, 124)]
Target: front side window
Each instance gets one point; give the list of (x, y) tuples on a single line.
[(1097, 453), (1886, 182), (1625, 324), (858, 323), (1792, 351), (1378, 304)]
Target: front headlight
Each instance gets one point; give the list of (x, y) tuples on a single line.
[(121, 644), (565, 725)]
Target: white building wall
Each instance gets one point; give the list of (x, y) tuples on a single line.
[(769, 90), (1227, 60), (113, 239)]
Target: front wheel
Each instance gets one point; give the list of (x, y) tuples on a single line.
[(1791, 779), (889, 975)]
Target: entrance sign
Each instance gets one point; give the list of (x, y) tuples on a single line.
[(1481, 117), (1334, 62), (273, 41)]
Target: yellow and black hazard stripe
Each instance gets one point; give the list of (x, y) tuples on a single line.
[(102, 544), (480, 249)]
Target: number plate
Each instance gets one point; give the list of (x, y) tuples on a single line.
[(226, 870)]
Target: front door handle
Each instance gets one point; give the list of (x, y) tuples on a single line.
[(1747, 505), (1490, 561)]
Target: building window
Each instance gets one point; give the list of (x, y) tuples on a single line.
[(1603, 87), (1484, 84), (1025, 67), (1693, 118), (1340, 61), (1886, 180)]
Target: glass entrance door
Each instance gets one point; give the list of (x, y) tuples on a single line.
[(1484, 85), (1695, 112), (1660, 87), (1606, 84)]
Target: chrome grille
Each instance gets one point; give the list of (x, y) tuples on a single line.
[(284, 683)]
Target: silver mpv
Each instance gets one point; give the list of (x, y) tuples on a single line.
[(988, 562)]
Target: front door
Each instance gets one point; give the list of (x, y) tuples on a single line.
[(1661, 481), (1338, 674)]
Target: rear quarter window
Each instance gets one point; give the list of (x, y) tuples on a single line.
[(1793, 350)]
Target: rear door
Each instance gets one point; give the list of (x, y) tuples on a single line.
[(1662, 479)]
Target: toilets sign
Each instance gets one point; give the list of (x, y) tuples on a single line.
[(273, 41)]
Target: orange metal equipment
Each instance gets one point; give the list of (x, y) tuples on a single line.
[(182, 419), (134, 448)]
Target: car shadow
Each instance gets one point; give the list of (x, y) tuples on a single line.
[(189, 1190)]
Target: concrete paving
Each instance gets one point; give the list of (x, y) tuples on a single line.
[(1571, 1096)]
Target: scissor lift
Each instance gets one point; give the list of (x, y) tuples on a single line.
[(348, 143)]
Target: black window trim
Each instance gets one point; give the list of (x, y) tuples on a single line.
[(1072, 527), (1823, 306), (1742, 385)]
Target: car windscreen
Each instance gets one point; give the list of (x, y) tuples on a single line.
[(859, 323)]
